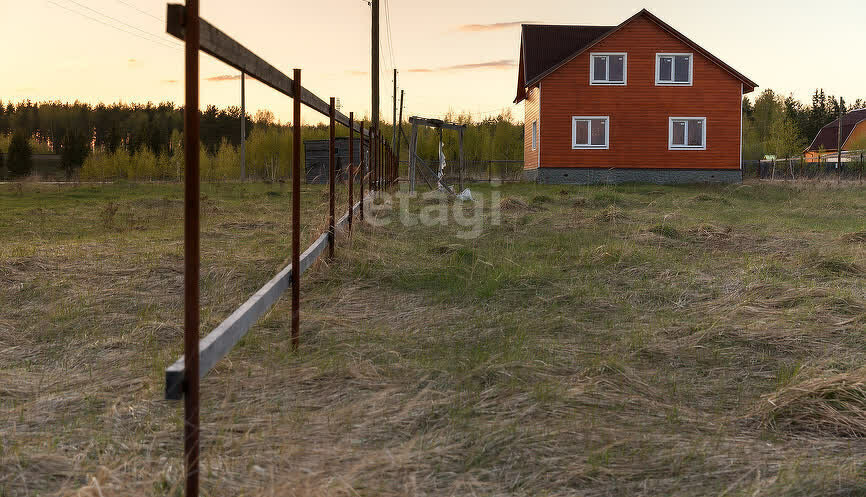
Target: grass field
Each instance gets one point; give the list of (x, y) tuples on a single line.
[(634, 340)]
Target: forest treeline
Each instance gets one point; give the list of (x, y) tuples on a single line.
[(784, 126), (145, 141)]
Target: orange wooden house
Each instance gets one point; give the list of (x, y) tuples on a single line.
[(637, 102)]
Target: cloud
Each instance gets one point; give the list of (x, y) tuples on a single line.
[(496, 26), (357, 73), (224, 77), (492, 64), (169, 81)]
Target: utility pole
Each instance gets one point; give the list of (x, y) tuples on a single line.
[(394, 131), (374, 71), (839, 137), (399, 127), (243, 130)]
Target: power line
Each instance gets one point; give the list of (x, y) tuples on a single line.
[(159, 42), (142, 11), (120, 21), (388, 32)]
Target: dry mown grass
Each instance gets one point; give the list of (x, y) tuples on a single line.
[(597, 341), (828, 405)]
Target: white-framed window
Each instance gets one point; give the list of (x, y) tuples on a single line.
[(687, 133), (674, 69), (534, 135), (608, 68), (590, 132)]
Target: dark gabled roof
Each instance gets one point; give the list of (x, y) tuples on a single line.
[(545, 48), (828, 137)]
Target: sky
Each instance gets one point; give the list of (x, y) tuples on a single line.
[(457, 55)]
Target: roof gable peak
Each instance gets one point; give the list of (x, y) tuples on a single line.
[(551, 46)]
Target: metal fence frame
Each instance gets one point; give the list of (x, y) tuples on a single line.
[(184, 23)]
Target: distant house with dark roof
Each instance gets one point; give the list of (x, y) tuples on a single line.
[(826, 142), (633, 102)]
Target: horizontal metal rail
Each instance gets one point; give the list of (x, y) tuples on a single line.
[(219, 342), (221, 46)]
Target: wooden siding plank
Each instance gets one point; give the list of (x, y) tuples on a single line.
[(221, 46), (219, 342)]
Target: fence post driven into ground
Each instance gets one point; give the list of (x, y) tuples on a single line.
[(331, 180), (380, 176), (192, 247), (361, 175), (378, 161), (376, 151), (296, 209), (351, 167), (372, 161), (462, 164)]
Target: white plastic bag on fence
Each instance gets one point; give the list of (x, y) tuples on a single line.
[(465, 195)]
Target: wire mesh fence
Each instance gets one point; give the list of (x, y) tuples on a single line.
[(852, 167)]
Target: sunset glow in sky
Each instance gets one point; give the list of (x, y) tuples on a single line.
[(450, 54)]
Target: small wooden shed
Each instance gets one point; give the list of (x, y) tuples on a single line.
[(316, 159)]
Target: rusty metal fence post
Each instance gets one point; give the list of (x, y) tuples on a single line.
[(379, 161), (296, 210), (372, 160), (331, 170), (184, 375), (192, 249), (361, 163), (351, 167)]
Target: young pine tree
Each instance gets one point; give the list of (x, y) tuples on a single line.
[(19, 160), (74, 150)]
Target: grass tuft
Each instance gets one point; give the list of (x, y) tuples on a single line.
[(830, 405), (512, 204), (666, 230)]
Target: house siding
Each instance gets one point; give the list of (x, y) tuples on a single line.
[(531, 114), (857, 138), (639, 111)]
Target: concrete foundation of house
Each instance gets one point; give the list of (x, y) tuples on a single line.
[(590, 176)]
